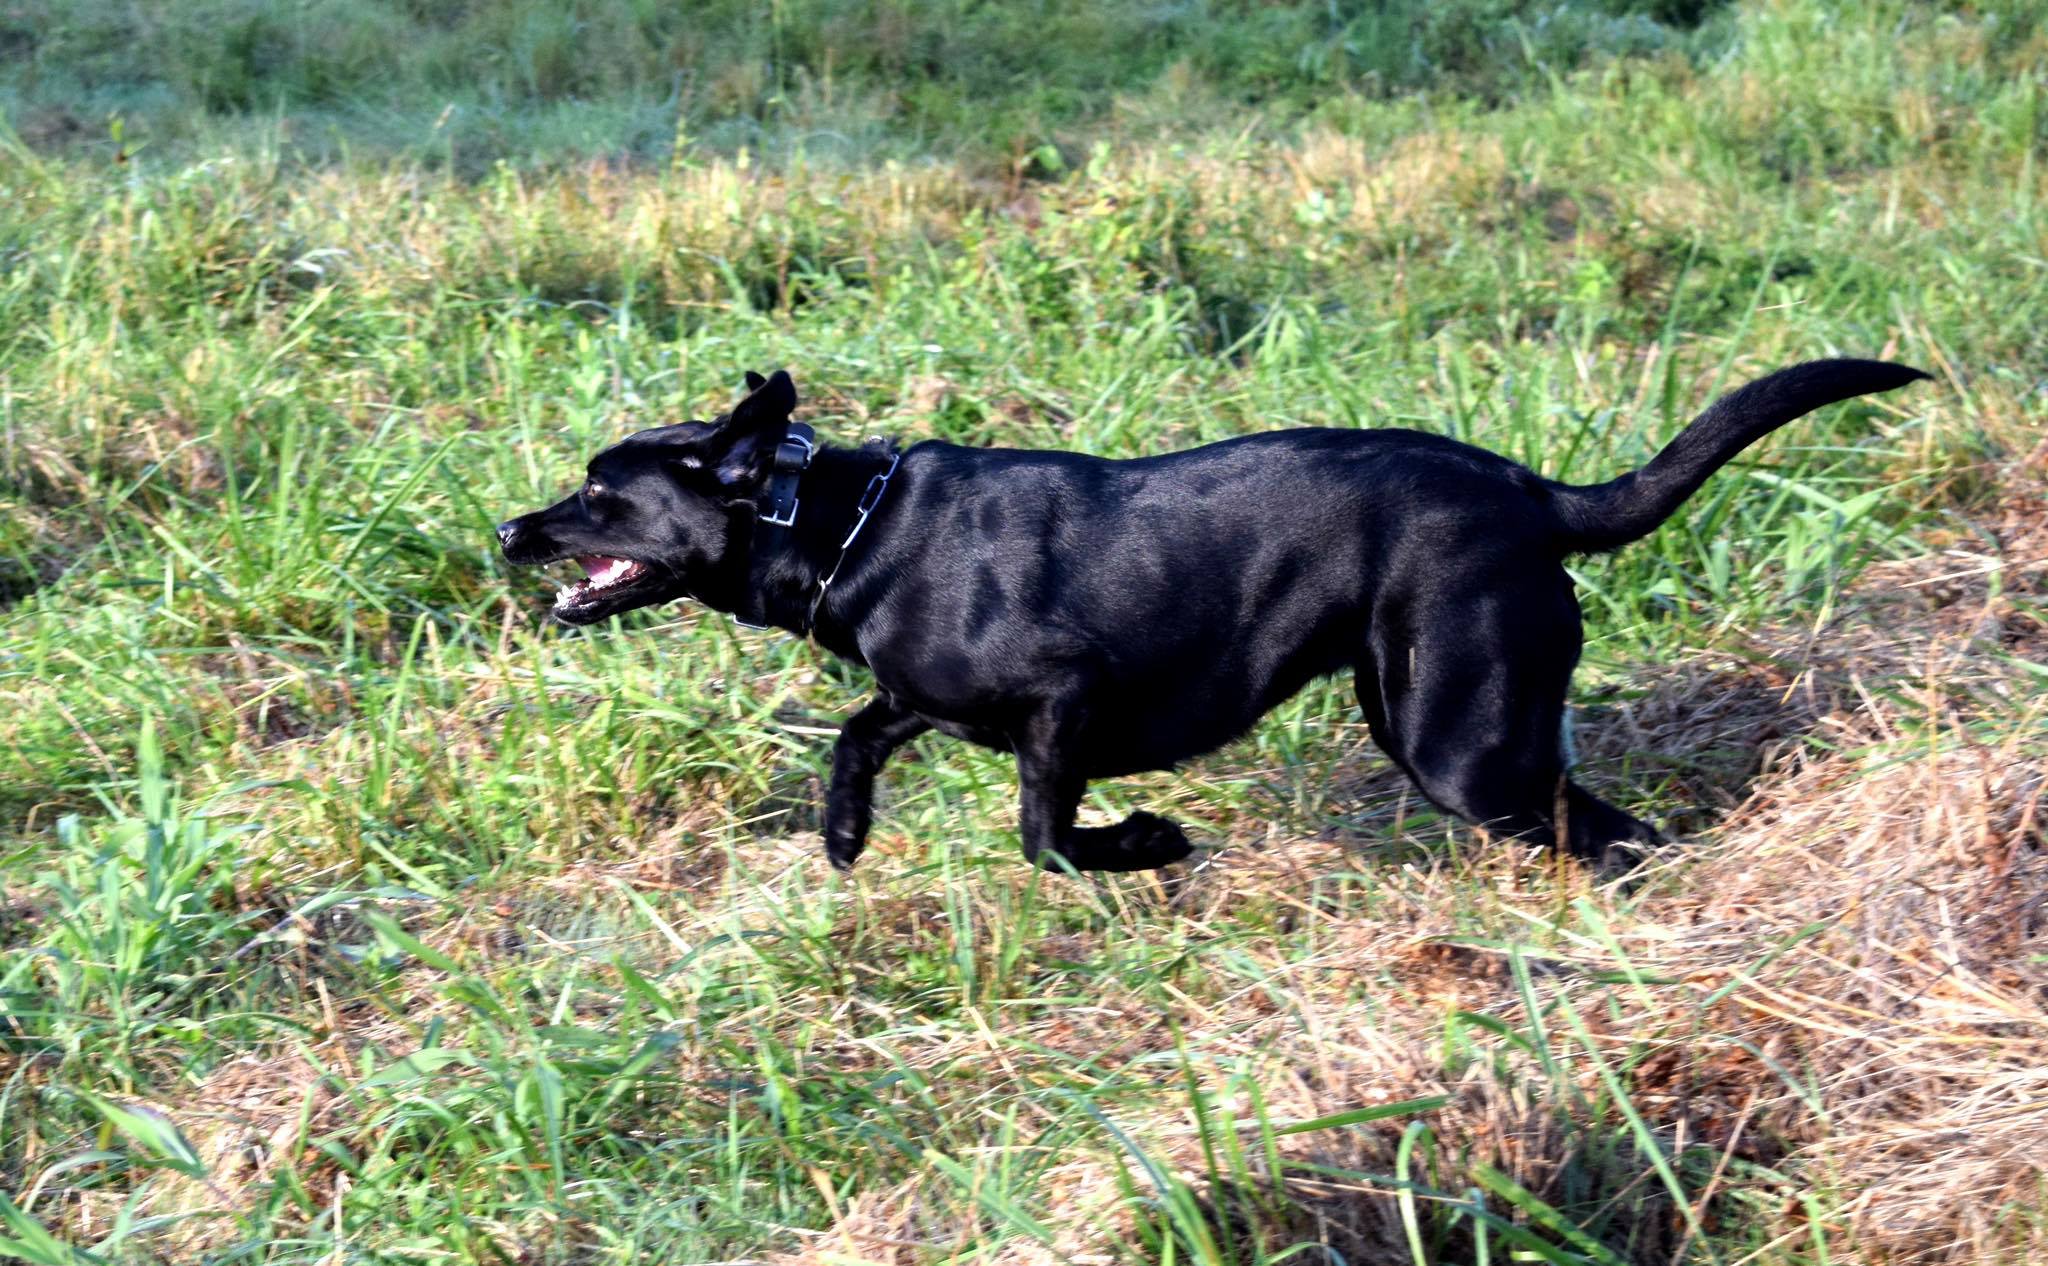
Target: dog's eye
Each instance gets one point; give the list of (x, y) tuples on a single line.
[(592, 488)]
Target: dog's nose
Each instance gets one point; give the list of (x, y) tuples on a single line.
[(506, 531)]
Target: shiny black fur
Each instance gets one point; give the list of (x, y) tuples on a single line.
[(1099, 618)]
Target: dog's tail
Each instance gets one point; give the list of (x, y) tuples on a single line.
[(1606, 516)]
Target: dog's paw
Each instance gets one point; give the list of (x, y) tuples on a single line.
[(1624, 859), (843, 853), (1151, 842)]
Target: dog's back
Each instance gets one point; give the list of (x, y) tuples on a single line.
[(1197, 588)]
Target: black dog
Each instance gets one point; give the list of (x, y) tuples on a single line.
[(1099, 618)]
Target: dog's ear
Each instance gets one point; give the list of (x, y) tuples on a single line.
[(742, 450)]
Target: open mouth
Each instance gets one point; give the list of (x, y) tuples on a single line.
[(602, 575)]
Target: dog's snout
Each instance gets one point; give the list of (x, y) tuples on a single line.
[(507, 532)]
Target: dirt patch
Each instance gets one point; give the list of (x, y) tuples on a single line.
[(37, 545), (46, 129)]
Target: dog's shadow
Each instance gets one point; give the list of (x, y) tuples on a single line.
[(1683, 745), (1679, 745)]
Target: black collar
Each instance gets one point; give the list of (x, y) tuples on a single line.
[(778, 507), (792, 458)]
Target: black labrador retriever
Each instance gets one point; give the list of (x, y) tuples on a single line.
[(1099, 618)]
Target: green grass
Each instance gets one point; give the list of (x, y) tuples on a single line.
[(349, 912), (465, 84)]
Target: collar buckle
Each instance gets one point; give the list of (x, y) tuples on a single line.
[(792, 458)]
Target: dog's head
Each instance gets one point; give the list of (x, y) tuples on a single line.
[(665, 513)]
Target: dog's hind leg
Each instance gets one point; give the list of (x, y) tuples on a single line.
[(1050, 791), (867, 740), (1475, 716)]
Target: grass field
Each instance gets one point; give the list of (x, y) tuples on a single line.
[(350, 913)]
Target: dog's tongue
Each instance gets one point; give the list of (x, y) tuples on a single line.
[(604, 570)]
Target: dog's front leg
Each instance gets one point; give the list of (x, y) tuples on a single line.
[(1050, 792), (865, 743)]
